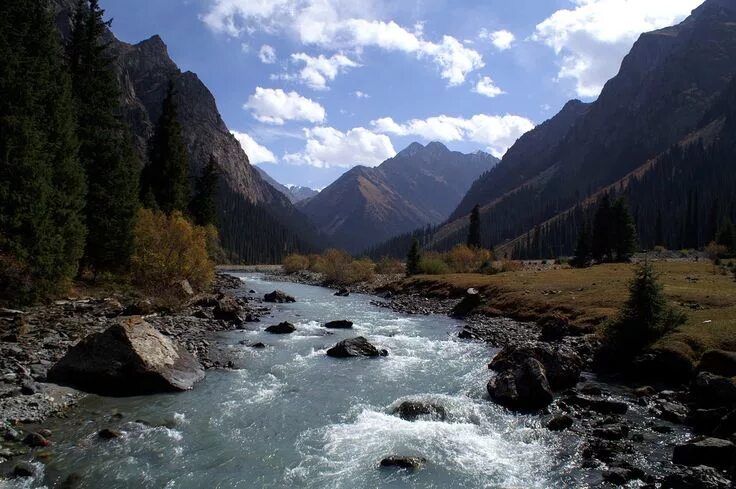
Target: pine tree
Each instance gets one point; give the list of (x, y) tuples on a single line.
[(105, 145), (413, 258), (167, 177), (602, 247), (583, 252), (474, 230), (727, 236), (42, 183), (203, 208), (623, 231)]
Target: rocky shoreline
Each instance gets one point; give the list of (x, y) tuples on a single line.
[(33, 340)]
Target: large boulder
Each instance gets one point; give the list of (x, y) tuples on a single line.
[(340, 324), (281, 328), (355, 347), (699, 477), (413, 410), (713, 452), (714, 390), (522, 387), (470, 301), (279, 297), (562, 366), (227, 309), (128, 358), (719, 362)]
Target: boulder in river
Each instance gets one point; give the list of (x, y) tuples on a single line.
[(227, 309), (281, 328), (718, 362), (412, 410), (355, 347), (561, 365), (128, 358), (713, 452), (404, 462), (340, 324), (560, 423), (699, 477), (342, 293), (279, 297), (714, 390), (522, 387), (108, 434), (470, 301)]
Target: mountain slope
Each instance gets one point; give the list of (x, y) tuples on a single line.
[(419, 186), (145, 70), (663, 89), (295, 194)]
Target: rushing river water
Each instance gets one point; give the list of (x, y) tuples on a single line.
[(294, 417)]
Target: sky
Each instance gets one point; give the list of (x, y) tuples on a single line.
[(312, 88)]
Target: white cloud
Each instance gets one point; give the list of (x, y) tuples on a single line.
[(498, 133), (340, 25), (359, 94), (328, 147), (486, 86), (267, 54), (274, 106), (502, 39), (592, 38), (256, 153), (320, 70)]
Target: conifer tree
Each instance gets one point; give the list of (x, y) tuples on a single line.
[(583, 252), (474, 230), (413, 258), (602, 248), (168, 175), (42, 183), (105, 146), (203, 208), (623, 231), (727, 236)]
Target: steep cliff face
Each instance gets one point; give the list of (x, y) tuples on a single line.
[(145, 70)]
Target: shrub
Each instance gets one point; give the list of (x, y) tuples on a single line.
[(389, 266), (461, 259), (336, 266), (432, 263), (510, 266), (169, 249), (361, 270), (295, 263)]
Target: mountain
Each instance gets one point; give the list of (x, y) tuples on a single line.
[(145, 70), (666, 85), (419, 186), (295, 193)]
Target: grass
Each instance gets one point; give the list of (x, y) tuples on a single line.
[(589, 297)]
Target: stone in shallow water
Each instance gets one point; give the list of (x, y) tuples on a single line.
[(108, 434), (403, 462), (412, 410), (713, 452), (523, 387), (355, 347), (340, 324), (560, 423), (279, 297), (281, 328), (129, 358)]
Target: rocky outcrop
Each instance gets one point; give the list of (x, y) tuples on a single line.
[(279, 297), (355, 347), (129, 358), (340, 324)]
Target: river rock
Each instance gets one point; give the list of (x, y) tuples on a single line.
[(355, 347), (227, 309), (715, 390), (561, 365), (108, 434), (341, 324), (23, 470), (36, 440), (128, 358), (522, 387), (342, 293), (470, 301), (281, 328), (713, 452), (664, 366), (601, 406), (412, 410), (612, 432), (278, 296), (718, 362), (560, 423), (403, 462), (699, 477)]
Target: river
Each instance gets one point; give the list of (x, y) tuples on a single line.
[(294, 417)]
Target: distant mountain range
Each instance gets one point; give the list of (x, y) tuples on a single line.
[(421, 185), (665, 96), (294, 193)]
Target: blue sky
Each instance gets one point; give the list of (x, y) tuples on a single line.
[(314, 87)]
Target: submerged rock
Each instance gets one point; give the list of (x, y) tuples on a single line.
[(355, 347), (412, 410), (108, 434), (278, 296), (341, 324), (404, 462), (281, 328), (129, 358), (522, 387)]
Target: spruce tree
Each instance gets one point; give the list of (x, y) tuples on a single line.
[(105, 146), (167, 179), (474, 230), (727, 236), (602, 246), (623, 231), (203, 208), (413, 259), (583, 252), (42, 182)]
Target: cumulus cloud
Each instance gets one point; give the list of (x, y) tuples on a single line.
[(274, 106), (267, 54), (592, 38), (486, 86), (328, 147), (340, 25), (502, 39), (359, 94), (256, 153), (497, 133), (320, 70)]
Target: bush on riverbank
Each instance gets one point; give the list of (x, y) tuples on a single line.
[(336, 266), (461, 259), (169, 249)]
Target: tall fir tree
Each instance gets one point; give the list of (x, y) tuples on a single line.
[(474, 229), (727, 236), (167, 176), (623, 231), (602, 247), (583, 253), (203, 208), (42, 182), (413, 259), (105, 144)]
